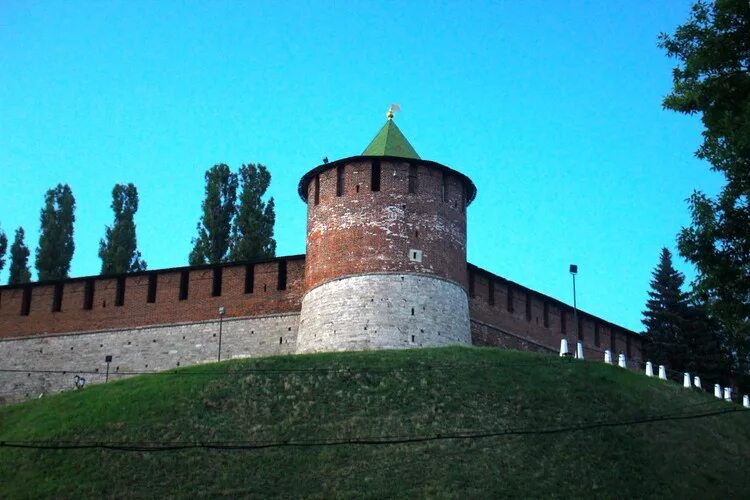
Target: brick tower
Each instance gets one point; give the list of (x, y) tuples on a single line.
[(386, 251)]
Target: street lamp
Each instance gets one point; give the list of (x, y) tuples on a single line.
[(573, 272), (221, 318)]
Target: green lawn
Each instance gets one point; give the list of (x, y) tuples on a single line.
[(369, 397)]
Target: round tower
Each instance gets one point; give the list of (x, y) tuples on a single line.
[(386, 251)]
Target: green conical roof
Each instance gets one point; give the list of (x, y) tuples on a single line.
[(390, 142)]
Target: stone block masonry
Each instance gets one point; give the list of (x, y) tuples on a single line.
[(147, 349), (383, 311)]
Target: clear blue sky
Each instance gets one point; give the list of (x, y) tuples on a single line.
[(552, 108)]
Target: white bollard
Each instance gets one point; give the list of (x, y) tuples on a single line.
[(662, 372), (564, 347), (746, 401), (697, 382), (728, 394), (717, 391), (579, 350), (649, 369), (686, 380), (608, 357), (621, 361)]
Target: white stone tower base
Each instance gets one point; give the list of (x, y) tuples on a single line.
[(383, 311)]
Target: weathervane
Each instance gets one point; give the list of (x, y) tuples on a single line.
[(394, 107)]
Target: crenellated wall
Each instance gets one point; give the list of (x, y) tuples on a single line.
[(506, 314), (152, 298)]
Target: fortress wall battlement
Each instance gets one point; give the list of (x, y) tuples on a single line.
[(506, 314), (159, 297)]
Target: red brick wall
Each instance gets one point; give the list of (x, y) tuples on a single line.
[(136, 311), (364, 231), (491, 320)]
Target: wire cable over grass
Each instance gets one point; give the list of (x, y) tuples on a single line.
[(363, 441)]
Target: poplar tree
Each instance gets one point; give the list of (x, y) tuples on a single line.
[(19, 260), (252, 233), (3, 248), (56, 245), (215, 225), (118, 250)]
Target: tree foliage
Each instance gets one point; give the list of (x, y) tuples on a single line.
[(252, 233), (214, 228), (3, 248), (119, 250), (19, 260), (56, 244), (713, 80), (679, 332)]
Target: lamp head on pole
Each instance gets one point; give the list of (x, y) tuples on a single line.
[(222, 311), (573, 269)]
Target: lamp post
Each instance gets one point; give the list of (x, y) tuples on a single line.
[(108, 360), (573, 272), (221, 318)]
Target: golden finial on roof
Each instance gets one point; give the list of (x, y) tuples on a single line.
[(394, 107)]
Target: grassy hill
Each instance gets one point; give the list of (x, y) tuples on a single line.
[(451, 422)]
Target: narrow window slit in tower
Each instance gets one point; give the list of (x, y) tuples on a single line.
[(249, 278), (580, 328), (412, 178), (120, 291), (356, 188), (281, 285), (216, 288), (151, 295), (88, 295), (26, 301), (491, 292), (416, 233), (316, 196), (597, 340), (627, 345), (528, 307), (510, 299), (57, 298), (184, 284), (340, 180), (412, 338), (375, 176), (412, 311)]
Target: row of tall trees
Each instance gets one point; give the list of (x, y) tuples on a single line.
[(712, 80), (56, 245), (232, 227), (235, 227)]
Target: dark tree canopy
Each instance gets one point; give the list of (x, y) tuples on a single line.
[(666, 313), (214, 228), (713, 80), (119, 250), (252, 233), (56, 245), (3, 248), (679, 332), (19, 260)]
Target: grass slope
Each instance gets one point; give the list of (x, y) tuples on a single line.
[(394, 393)]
